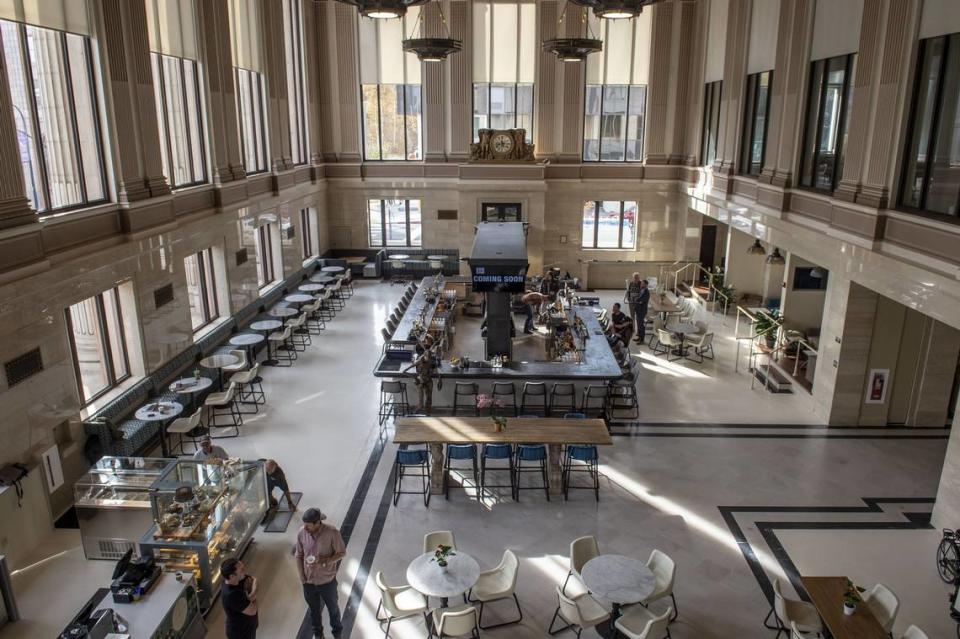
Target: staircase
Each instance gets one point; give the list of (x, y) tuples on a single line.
[(773, 378)]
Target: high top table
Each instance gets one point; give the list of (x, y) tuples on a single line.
[(552, 431)]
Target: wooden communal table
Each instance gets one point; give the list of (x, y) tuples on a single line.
[(554, 432), (663, 305), (826, 593)]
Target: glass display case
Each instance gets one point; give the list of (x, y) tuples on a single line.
[(113, 504), (203, 513)]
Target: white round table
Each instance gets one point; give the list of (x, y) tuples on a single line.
[(682, 329), (398, 256), (333, 269), (160, 412), (428, 578), (322, 279), (218, 362), (619, 579), (266, 325), (298, 298), (282, 311), (190, 385), (310, 288), (247, 341)]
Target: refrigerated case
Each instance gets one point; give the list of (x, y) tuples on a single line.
[(113, 504), (196, 535)]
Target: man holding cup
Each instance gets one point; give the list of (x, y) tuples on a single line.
[(318, 552)]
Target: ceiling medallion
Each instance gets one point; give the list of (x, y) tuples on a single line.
[(615, 9), (432, 49), (573, 49), (383, 9)]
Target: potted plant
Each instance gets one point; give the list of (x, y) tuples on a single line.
[(767, 324), (851, 597), (499, 423), (441, 554)]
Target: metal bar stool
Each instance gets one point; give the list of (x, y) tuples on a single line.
[(536, 453), (460, 452), (622, 402), (250, 388), (587, 462), (594, 402), (503, 391), (493, 452), (406, 460), (466, 389), (538, 391), (393, 400), (563, 397), (224, 404)]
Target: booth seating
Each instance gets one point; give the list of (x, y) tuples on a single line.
[(417, 266), (118, 435)]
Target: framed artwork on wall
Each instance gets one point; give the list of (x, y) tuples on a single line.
[(877, 383)]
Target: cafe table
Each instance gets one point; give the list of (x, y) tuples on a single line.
[(322, 278), (620, 580), (282, 311), (661, 304), (248, 341), (826, 594), (553, 431), (218, 362), (311, 288), (298, 298), (267, 326), (332, 269), (428, 578), (160, 412), (681, 330), (190, 386)]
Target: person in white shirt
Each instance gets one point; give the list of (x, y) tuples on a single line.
[(208, 451)]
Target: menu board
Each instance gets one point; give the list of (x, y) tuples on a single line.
[(499, 278)]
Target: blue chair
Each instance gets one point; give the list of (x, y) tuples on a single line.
[(496, 451), (406, 461), (460, 452), (581, 459), (536, 453), (574, 416)]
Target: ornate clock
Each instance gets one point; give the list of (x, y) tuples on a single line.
[(501, 144)]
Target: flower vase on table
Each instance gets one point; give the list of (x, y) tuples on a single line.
[(441, 555)]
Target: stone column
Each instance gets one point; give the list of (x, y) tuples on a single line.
[(689, 81), (128, 82), (275, 76), (434, 120), (731, 99), (459, 128), (569, 137), (217, 58), (312, 79), (545, 89), (658, 91), (946, 510), (935, 374), (339, 55), (15, 209)]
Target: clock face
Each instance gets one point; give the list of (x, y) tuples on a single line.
[(501, 144)]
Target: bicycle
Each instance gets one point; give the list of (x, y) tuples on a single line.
[(948, 557)]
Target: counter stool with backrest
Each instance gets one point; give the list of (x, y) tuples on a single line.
[(702, 346), (582, 550), (299, 335), (594, 404), (465, 389), (658, 325), (224, 404), (399, 602), (185, 427), (497, 451), (535, 454), (280, 341), (411, 462), (250, 388), (563, 398), (640, 623), (393, 400), (327, 308), (455, 621), (583, 459), (438, 538), (581, 613), (336, 297), (315, 321), (786, 611), (497, 584), (536, 392), (391, 326), (460, 452), (622, 401), (504, 391), (385, 334), (346, 284), (241, 364)]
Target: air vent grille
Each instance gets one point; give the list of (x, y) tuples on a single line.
[(446, 214), (241, 256), (23, 367), (163, 296)]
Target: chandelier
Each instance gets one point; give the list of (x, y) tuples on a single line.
[(615, 9), (432, 49), (573, 49), (383, 9)]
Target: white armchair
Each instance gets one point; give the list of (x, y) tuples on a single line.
[(667, 343), (581, 612), (664, 569), (582, 550), (457, 621), (398, 602), (433, 539), (913, 632), (496, 585), (702, 346), (789, 611), (640, 623), (884, 605)]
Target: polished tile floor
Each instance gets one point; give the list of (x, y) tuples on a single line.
[(700, 493)]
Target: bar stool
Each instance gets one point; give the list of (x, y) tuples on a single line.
[(250, 388), (387, 335), (594, 402), (536, 453), (563, 397), (535, 390), (465, 389), (623, 398), (315, 322), (346, 283), (299, 334), (280, 340), (587, 461), (391, 326), (327, 308), (393, 400), (183, 427), (217, 403), (502, 391), (460, 452), (418, 459), (493, 452)]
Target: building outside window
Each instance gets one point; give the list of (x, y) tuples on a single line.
[(250, 87), (51, 74), (609, 225), (616, 90), (390, 87), (755, 123), (394, 223), (826, 125), (308, 226), (265, 253), (296, 94), (98, 343), (201, 288), (931, 170), (505, 50), (710, 127)]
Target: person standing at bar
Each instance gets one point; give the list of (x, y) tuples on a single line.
[(530, 300), (638, 298), (425, 363)]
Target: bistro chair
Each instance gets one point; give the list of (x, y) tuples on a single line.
[(438, 538), (327, 308), (465, 389), (563, 397), (537, 391), (914, 632), (584, 459), (455, 621), (640, 623), (280, 341), (399, 602), (702, 346), (250, 388), (496, 585), (582, 550), (664, 570), (414, 463), (884, 605), (224, 404), (466, 452), (299, 335), (393, 400), (792, 611), (537, 455), (667, 344), (185, 427), (504, 391), (315, 321), (580, 613), (494, 452)]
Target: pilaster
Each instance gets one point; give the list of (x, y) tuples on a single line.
[(731, 100), (346, 79), (460, 71), (434, 122), (687, 78), (569, 137), (545, 89), (15, 208), (312, 79), (658, 91), (275, 76), (132, 105)]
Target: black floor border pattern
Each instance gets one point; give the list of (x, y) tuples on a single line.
[(629, 429), (767, 530)]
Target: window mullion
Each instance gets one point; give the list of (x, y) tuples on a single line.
[(596, 223), (186, 122), (105, 340), (406, 209), (620, 228), (35, 116), (934, 124), (71, 102)]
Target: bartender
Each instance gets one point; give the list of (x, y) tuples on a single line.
[(530, 300), (425, 364), (550, 285)]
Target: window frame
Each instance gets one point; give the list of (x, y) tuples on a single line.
[(163, 119), (401, 90), (384, 224), (26, 61), (516, 113), (296, 94), (841, 123), (257, 104), (626, 123), (710, 121), (266, 274), (748, 135), (209, 304), (307, 226), (597, 207), (102, 325)]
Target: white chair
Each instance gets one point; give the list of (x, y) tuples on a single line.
[(241, 362), (701, 344), (399, 602), (182, 426), (280, 340), (795, 632), (581, 612), (582, 550), (913, 632), (884, 605), (496, 585), (436, 538), (667, 343), (664, 569), (787, 611), (315, 321), (216, 403), (658, 326), (250, 388), (456, 621), (299, 334), (327, 310), (640, 623)]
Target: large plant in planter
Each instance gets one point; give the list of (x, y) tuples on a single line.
[(767, 324)]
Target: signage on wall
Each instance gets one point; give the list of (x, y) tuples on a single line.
[(499, 278), (877, 383)]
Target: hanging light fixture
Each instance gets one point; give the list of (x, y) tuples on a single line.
[(775, 257), (573, 49), (615, 9), (756, 249), (432, 49), (383, 9), (817, 273)]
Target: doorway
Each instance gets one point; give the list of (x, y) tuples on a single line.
[(500, 212), (708, 246)]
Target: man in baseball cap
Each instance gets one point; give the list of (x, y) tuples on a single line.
[(318, 553)]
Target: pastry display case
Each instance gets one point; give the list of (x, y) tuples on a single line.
[(203, 513), (113, 504)]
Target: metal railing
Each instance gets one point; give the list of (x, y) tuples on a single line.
[(780, 344), (715, 295)]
